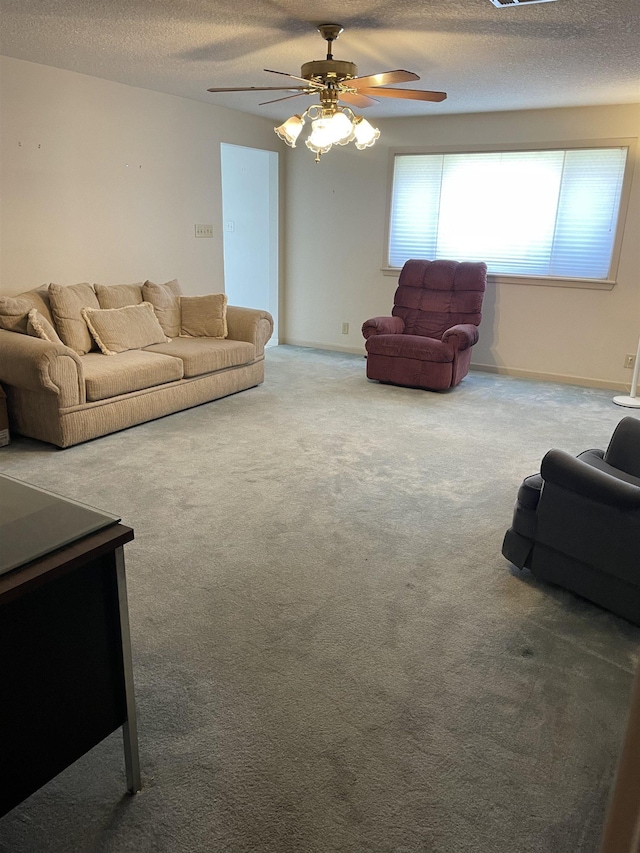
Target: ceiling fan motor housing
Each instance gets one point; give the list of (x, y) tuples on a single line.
[(329, 70)]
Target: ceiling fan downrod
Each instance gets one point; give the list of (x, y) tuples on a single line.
[(330, 33)]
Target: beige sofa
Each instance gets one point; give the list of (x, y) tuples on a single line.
[(57, 395)]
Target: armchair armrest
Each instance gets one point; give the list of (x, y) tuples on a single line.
[(567, 472), (462, 336), (36, 365), (250, 325), (383, 326)]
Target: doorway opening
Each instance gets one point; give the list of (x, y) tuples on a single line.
[(250, 228)]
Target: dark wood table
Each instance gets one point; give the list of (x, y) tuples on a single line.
[(66, 679)]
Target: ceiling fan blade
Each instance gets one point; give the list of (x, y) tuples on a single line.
[(259, 89), (358, 100), (286, 98), (293, 77), (382, 79), (409, 94)]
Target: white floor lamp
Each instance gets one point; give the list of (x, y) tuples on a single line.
[(633, 401)]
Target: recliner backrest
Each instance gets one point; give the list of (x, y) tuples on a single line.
[(432, 296), (623, 451)]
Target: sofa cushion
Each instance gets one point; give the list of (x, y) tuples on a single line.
[(14, 310), (14, 314), (66, 306), (204, 316), (38, 298), (128, 371), (119, 295), (39, 327), (165, 299), (120, 329), (206, 355)]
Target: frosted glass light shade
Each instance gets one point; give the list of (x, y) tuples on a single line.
[(317, 149), (365, 134), (322, 135), (341, 129), (290, 130)]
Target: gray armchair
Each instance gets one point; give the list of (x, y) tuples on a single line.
[(577, 523)]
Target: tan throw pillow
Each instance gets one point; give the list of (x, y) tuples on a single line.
[(119, 295), (120, 329), (204, 316), (165, 299), (39, 327), (66, 307), (14, 314)]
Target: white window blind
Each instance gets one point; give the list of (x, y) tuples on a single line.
[(536, 213)]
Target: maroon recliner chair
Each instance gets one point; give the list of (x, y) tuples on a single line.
[(427, 341)]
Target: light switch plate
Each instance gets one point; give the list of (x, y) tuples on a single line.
[(204, 230)]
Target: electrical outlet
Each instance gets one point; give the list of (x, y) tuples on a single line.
[(345, 328), (629, 360), (204, 230)]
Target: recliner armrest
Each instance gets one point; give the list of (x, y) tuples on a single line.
[(567, 472), (462, 336), (383, 326)]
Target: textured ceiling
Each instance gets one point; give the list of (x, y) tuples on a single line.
[(562, 53)]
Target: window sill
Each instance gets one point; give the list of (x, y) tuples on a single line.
[(540, 281)]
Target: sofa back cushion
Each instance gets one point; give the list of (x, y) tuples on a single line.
[(15, 317), (67, 304), (165, 299), (120, 329), (14, 314), (204, 316), (119, 295)]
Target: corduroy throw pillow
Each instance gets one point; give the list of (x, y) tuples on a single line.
[(39, 327), (120, 329), (204, 316)]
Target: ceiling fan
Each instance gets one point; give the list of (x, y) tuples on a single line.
[(335, 80)]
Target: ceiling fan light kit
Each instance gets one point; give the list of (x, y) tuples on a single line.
[(333, 81), (335, 126)]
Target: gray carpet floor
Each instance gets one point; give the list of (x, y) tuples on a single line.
[(330, 652)]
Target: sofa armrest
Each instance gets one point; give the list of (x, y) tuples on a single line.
[(250, 325), (462, 336), (383, 326), (36, 365), (567, 472)]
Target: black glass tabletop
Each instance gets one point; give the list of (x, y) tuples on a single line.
[(35, 522)]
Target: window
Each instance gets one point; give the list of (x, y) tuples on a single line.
[(541, 214)]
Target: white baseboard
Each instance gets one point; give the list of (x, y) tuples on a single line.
[(354, 350), (583, 381)]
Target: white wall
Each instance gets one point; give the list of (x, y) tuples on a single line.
[(335, 225), (103, 182)]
